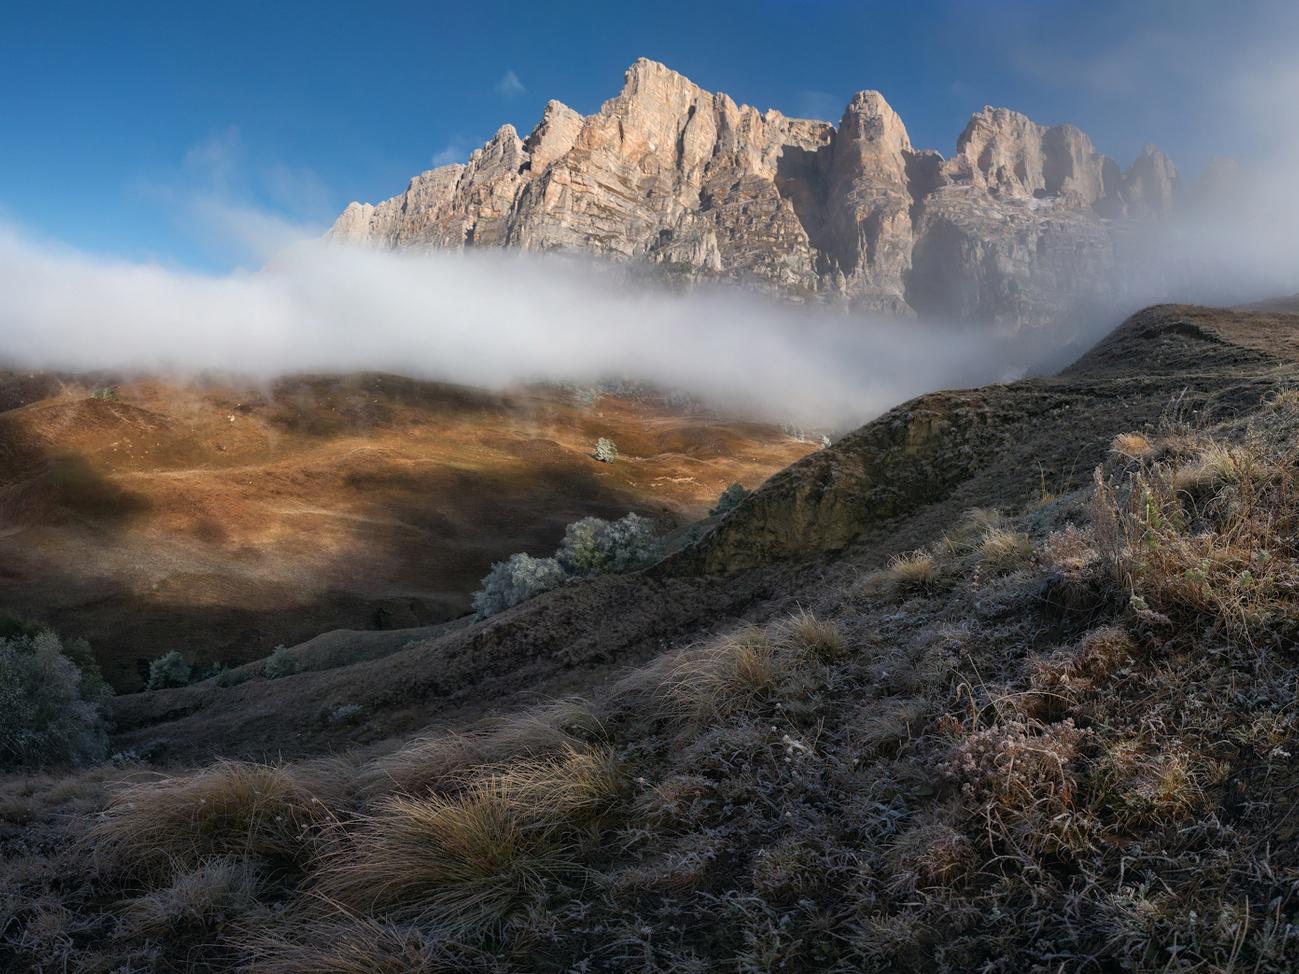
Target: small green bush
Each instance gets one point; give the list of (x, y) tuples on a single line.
[(169, 670), (233, 677), (729, 499), (281, 663), (50, 710), (593, 546)]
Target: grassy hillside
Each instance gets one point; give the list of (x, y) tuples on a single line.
[(222, 519), (855, 726)]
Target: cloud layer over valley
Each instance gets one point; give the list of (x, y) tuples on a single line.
[(483, 319)]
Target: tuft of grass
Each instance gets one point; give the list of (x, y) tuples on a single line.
[(1133, 446), (721, 678), (215, 891), (1141, 787), (812, 637), (469, 859), (438, 763), (1213, 467), (354, 945), (236, 809), (915, 573), (1285, 399), (1002, 551), (930, 855)]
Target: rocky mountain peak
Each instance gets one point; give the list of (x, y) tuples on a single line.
[(1014, 228), (1010, 155)]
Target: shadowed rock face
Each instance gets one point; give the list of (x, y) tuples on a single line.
[(1017, 228)]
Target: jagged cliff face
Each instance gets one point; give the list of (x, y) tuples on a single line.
[(1017, 228)]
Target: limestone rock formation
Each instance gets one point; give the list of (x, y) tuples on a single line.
[(1017, 228)]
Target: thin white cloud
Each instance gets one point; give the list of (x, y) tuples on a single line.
[(510, 85), (820, 105), (238, 210), (457, 150), (217, 161)]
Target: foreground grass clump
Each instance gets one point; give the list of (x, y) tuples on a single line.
[(913, 574), (468, 857), (1209, 537), (357, 945), (258, 812)]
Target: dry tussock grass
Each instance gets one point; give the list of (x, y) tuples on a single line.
[(812, 637), (355, 945), (468, 858), (1002, 551), (437, 763), (215, 891), (1133, 446), (1213, 540), (242, 810), (915, 573)]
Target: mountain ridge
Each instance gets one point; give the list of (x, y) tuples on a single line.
[(1021, 226)]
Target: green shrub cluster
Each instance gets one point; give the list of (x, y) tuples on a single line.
[(51, 701), (591, 546)]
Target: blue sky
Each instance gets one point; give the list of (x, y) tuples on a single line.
[(160, 131)]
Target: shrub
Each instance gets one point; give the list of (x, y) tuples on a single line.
[(280, 663), (605, 450), (515, 580), (730, 499), (593, 546), (169, 670), (348, 713), (233, 677), (49, 709)]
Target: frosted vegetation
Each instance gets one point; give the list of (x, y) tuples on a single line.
[(591, 546), (51, 697)]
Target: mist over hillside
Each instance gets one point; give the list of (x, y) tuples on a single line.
[(483, 319)]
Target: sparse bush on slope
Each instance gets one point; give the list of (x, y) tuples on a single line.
[(281, 663), (591, 546), (515, 580), (729, 499), (49, 707), (605, 450), (169, 670)]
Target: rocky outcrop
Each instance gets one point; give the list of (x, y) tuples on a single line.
[(1017, 228)]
